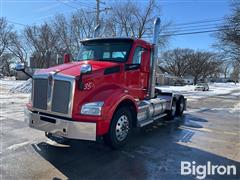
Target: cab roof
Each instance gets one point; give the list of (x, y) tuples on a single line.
[(112, 39)]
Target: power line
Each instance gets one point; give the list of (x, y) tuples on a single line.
[(189, 33), (102, 2), (84, 4), (195, 32), (66, 4), (205, 27), (13, 22), (193, 29), (101, 10), (196, 26), (179, 32), (200, 22)]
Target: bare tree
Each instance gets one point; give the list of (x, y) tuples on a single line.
[(5, 31), (225, 68), (63, 31), (229, 35), (176, 61), (202, 65), (64, 34), (42, 40), (5, 63), (6, 58), (16, 47), (199, 64), (236, 72), (129, 19), (85, 21), (71, 31)]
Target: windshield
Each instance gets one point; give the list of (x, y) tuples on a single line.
[(114, 52)]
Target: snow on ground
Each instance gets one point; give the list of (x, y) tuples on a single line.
[(214, 89), (15, 100), (17, 94), (24, 87), (235, 109), (10, 83)]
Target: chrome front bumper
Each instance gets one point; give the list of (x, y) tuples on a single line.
[(60, 127)]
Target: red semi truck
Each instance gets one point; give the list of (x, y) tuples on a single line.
[(106, 93)]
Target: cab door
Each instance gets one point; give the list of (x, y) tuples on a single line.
[(136, 72)]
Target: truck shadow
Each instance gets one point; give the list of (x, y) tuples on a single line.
[(154, 152)]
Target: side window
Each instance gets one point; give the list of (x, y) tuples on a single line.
[(137, 57)]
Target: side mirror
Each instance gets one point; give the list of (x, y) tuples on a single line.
[(20, 67), (67, 58), (85, 69)]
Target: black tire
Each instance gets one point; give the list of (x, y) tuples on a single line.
[(173, 112), (114, 138), (180, 106)]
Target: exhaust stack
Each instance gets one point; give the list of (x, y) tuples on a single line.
[(154, 57)]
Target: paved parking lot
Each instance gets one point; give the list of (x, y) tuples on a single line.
[(209, 131)]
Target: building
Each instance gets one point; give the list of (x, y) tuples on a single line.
[(163, 77), (188, 79)]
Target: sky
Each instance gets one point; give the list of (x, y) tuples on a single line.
[(29, 12)]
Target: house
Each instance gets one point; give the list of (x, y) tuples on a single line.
[(188, 79), (163, 77)]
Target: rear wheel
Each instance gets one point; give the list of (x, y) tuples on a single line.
[(180, 106), (172, 113), (120, 127)]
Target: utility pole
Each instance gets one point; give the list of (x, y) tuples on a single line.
[(98, 12)]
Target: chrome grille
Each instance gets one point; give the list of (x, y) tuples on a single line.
[(40, 93), (61, 96), (53, 94)]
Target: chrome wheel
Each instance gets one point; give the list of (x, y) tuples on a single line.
[(122, 128)]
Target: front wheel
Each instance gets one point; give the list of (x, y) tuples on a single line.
[(120, 127)]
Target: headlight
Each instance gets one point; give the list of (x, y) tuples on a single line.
[(93, 108)]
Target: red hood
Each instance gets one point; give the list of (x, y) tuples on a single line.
[(73, 68)]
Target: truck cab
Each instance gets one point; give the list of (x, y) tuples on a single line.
[(106, 92)]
